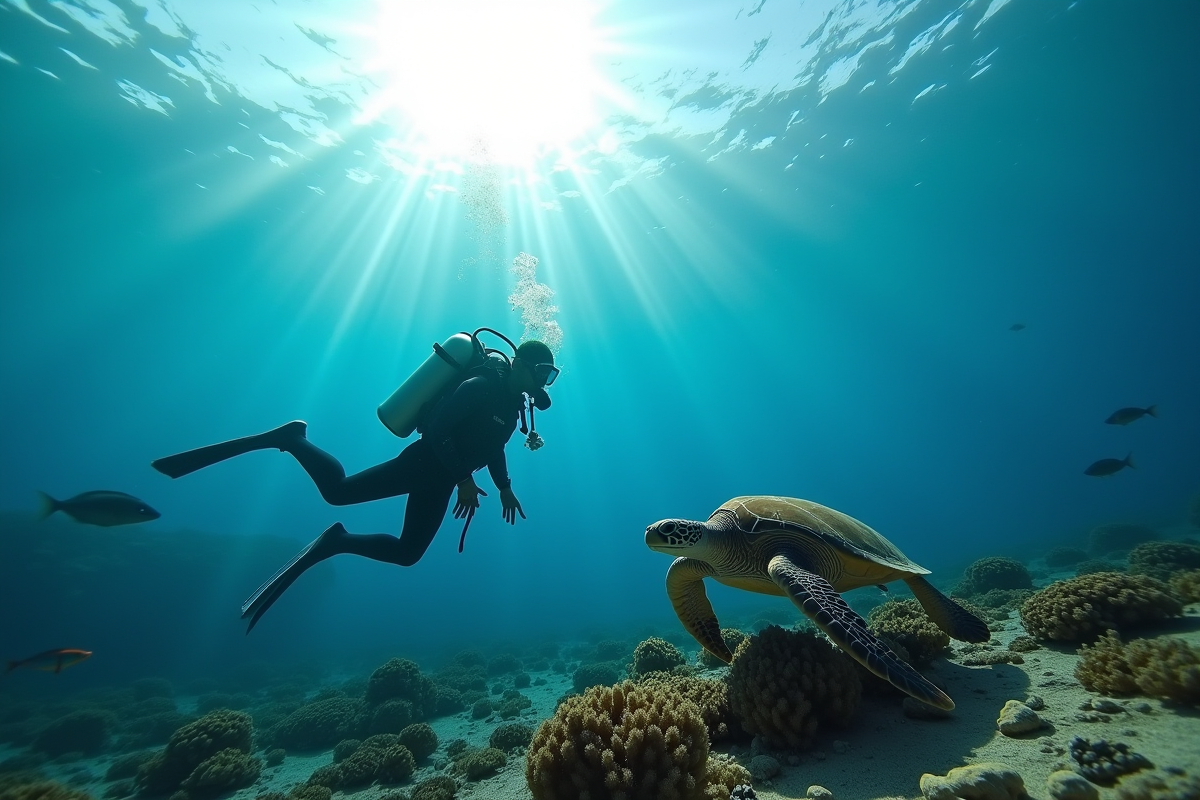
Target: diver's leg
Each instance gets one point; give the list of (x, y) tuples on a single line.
[(422, 518), (414, 466), (181, 464)]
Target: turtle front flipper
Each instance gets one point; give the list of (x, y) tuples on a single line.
[(947, 614), (685, 587), (818, 600)]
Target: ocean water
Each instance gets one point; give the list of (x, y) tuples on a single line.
[(780, 248)]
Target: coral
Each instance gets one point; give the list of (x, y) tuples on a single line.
[(321, 724), (1103, 762), (344, 749), (479, 763), (1024, 644), (983, 781), (503, 664), (457, 746), (275, 757), (439, 788), (1083, 608), (420, 740), (732, 638), (145, 688), (710, 696), (192, 745), (223, 771), (396, 765), (1163, 559), (522, 680), (610, 650), (481, 709), (1168, 784), (511, 735), (722, 775), (655, 655), (36, 788), (997, 603), (1092, 566), (401, 679), (303, 792), (784, 684), (603, 673), (1061, 557), (906, 623), (1118, 537), (1166, 667), (380, 758), (1103, 667), (1186, 585), (512, 704), (392, 716), (624, 741), (127, 766), (154, 728), (462, 677), (994, 572), (449, 701), (84, 731)]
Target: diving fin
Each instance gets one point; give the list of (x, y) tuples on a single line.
[(315, 552), (185, 463)]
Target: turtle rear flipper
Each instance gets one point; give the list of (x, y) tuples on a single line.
[(818, 600), (685, 588), (947, 614)]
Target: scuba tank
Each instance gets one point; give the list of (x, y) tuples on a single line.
[(401, 412)]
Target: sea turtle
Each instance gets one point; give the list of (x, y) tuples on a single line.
[(809, 553)]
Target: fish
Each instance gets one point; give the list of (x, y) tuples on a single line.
[(1017, 326), (1109, 466), (103, 508), (1124, 416), (51, 661)]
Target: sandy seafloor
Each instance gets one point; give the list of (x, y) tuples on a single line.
[(882, 754)]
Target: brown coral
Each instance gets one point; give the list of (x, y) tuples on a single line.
[(994, 572), (625, 741), (320, 724), (1163, 559), (1168, 784), (193, 744), (784, 684), (1186, 585), (906, 623), (655, 655), (223, 771), (401, 679), (1083, 608), (710, 696), (732, 638), (721, 774), (1162, 667), (1103, 667)]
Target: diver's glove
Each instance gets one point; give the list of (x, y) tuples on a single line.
[(512, 506), (468, 498)]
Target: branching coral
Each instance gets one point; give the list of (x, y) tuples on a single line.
[(732, 638), (655, 655), (710, 696), (906, 623), (784, 684), (600, 674), (391, 716), (479, 763), (420, 740), (1163, 559), (440, 788), (1103, 667), (223, 771), (36, 788), (1162, 667), (721, 775), (511, 735), (84, 731), (1168, 784), (1083, 608), (380, 758), (1118, 537), (321, 724), (624, 741), (1186, 585), (192, 745), (401, 679)]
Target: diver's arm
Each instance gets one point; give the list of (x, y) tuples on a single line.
[(498, 469), (466, 400)]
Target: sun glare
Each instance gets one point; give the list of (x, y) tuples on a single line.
[(517, 76)]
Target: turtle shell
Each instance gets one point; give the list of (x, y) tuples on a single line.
[(759, 514)]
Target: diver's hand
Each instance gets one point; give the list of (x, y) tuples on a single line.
[(468, 498), (512, 506)]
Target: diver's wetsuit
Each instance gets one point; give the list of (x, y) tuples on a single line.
[(467, 431)]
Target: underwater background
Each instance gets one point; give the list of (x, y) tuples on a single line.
[(899, 258)]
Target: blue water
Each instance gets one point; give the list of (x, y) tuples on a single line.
[(824, 314)]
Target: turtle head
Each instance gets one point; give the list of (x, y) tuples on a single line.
[(675, 535)]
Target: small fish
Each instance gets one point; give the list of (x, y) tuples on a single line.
[(51, 661), (882, 587), (1109, 466), (102, 508), (1017, 326), (1124, 416)]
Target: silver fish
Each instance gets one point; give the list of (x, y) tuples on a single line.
[(1124, 416), (1109, 466), (103, 508)]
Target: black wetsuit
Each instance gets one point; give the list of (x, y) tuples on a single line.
[(466, 431)]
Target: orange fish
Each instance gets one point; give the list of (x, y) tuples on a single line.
[(51, 661)]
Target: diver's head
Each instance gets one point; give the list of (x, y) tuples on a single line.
[(674, 535), (533, 367)]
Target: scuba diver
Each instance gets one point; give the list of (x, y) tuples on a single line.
[(464, 400)]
